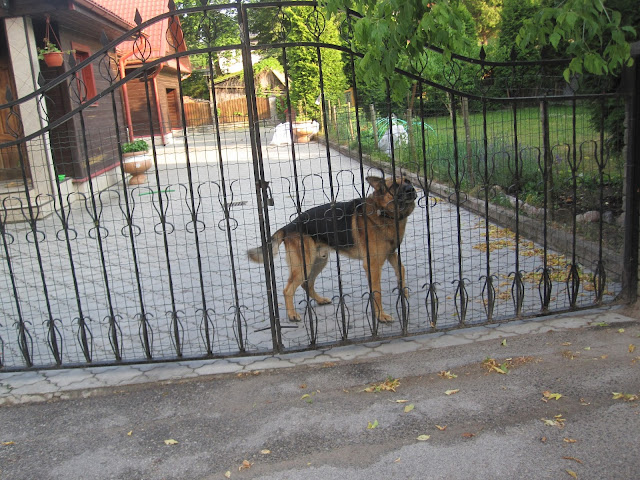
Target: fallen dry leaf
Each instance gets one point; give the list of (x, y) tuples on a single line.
[(441, 428), (569, 440), (171, 441), (632, 348), (373, 425), (389, 385), (423, 438), (265, 452), (246, 464), (557, 421), (328, 364), (621, 330), (543, 439), (397, 460), (130, 433), (627, 397), (493, 366), (573, 458), (402, 401), (227, 474), (452, 392), (6, 444), (572, 473), (408, 408), (550, 396), (468, 435), (565, 344), (448, 375)]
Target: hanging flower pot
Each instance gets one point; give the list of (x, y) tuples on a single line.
[(53, 59)]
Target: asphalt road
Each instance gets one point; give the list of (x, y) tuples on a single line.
[(312, 422)]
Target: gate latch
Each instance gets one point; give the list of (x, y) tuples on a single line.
[(264, 185)]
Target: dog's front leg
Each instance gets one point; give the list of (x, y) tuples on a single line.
[(373, 270), (398, 267)]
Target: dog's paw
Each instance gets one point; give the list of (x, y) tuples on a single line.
[(295, 317), (385, 318), (323, 300)]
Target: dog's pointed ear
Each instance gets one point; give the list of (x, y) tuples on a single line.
[(377, 183)]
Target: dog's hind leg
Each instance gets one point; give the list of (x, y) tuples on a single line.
[(398, 267), (297, 270), (373, 269), (321, 260)]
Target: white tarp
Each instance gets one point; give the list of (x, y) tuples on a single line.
[(400, 136)]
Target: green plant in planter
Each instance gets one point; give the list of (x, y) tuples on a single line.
[(50, 47), (137, 146)]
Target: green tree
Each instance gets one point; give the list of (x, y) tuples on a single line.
[(487, 16), (215, 28), (595, 38), (303, 62)]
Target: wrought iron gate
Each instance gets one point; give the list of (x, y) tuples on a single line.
[(520, 178)]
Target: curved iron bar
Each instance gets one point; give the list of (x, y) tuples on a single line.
[(545, 286), (176, 331), (85, 337), (145, 332), (163, 227), (130, 229), (573, 278), (207, 329), (461, 298), (488, 295), (342, 312), (193, 208), (517, 292), (1, 350), (403, 307), (600, 274), (25, 341), (54, 339), (310, 320), (95, 213), (64, 217), (240, 323), (115, 335), (432, 303)]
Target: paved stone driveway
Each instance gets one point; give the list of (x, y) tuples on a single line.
[(178, 274)]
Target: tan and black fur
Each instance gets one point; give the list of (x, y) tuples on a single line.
[(341, 227)]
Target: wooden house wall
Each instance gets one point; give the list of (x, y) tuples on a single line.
[(99, 131), (169, 105)]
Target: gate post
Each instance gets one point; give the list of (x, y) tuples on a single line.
[(630, 85), (262, 185)]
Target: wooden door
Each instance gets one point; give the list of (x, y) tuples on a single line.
[(9, 125)]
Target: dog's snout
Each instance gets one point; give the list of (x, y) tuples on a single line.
[(408, 191)]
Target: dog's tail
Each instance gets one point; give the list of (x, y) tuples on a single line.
[(255, 254)]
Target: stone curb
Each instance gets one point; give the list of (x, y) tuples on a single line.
[(44, 385)]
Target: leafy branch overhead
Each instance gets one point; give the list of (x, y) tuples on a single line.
[(395, 33), (592, 35)]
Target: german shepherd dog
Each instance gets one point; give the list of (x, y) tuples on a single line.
[(318, 230)]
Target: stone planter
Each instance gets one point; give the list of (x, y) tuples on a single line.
[(136, 164), (303, 131)]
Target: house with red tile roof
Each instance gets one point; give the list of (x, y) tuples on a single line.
[(152, 105), (77, 124), (79, 148)]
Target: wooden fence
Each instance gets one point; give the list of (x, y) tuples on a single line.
[(197, 114)]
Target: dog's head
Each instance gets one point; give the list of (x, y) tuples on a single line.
[(389, 194)]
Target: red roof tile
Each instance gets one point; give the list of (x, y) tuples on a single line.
[(156, 33)]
